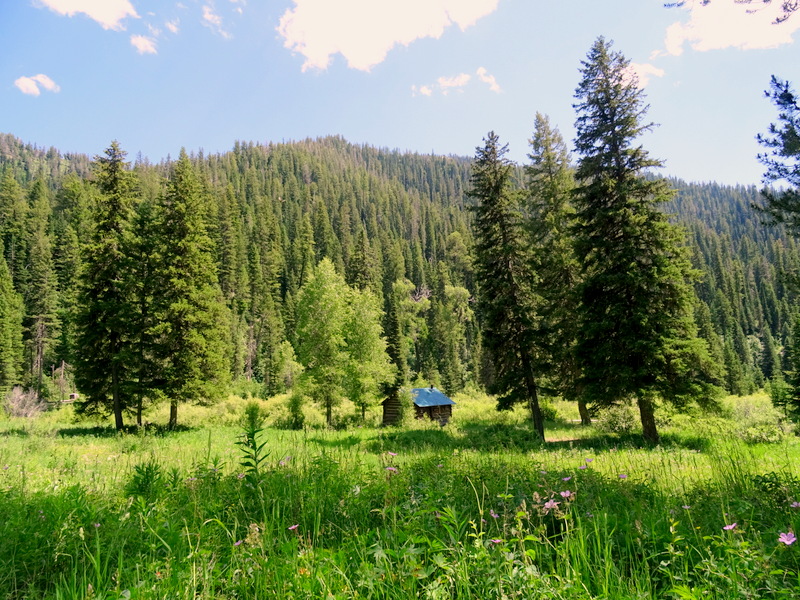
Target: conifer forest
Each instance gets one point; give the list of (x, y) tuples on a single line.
[(331, 270)]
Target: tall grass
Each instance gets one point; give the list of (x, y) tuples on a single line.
[(471, 510)]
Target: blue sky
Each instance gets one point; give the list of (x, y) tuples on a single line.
[(419, 75)]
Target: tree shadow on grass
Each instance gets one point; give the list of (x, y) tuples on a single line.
[(14, 432), (490, 436), (108, 431), (346, 443)]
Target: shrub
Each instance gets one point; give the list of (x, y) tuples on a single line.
[(620, 419), (24, 403)]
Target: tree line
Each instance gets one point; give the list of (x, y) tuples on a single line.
[(210, 271)]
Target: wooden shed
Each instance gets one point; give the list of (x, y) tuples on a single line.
[(432, 403)]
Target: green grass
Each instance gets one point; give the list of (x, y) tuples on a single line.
[(414, 512)]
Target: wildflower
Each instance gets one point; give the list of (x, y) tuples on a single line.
[(496, 541), (493, 514), (240, 476), (439, 466), (623, 476), (730, 527), (543, 472), (582, 467), (392, 453), (551, 504), (5, 468), (795, 505), (392, 469), (293, 527), (686, 507), (787, 538), (566, 494), (238, 543), (566, 478), (588, 460), (96, 525)]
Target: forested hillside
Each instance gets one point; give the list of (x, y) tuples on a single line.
[(393, 224)]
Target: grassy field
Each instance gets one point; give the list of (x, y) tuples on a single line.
[(472, 510)]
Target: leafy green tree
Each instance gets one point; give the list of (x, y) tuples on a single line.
[(507, 303), (190, 316), (368, 366), (636, 337), (102, 322), (321, 314)]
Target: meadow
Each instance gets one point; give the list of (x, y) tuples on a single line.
[(475, 509)]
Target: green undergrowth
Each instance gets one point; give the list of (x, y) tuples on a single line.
[(472, 510)]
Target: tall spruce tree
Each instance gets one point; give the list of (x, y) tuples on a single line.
[(550, 218), (11, 311), (636, 339), (102, 322), (507, 303), (192, 327)]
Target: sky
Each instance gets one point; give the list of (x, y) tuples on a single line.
[(428, 76)]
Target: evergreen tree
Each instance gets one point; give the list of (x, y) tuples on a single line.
[(191, 318), (11, 311), (636, 336), (550, 219), (507, 303), (102, 322)]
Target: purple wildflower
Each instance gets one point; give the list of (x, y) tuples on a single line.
[(582, 467), (238, 543), (496, 541), (566, 478), (392, 469), (686, 507), (588, 460), (730, 527), (293, 527), (392, 453), (795, 505), (551, 504), (787, 538), (493, 514), (623, 476), (96, 525), (566, 494)]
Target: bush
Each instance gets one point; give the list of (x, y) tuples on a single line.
[(621, 419), (22, 403)]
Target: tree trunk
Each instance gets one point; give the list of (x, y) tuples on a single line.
[(139, 411), (173, 415), (533, 399), (647, 413), (117, 401), (586, 418)]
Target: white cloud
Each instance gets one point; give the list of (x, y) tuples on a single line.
[(449, 83), (173, 26), (144, 45), (484, 76), (108, 13), (30, 85), (644, 71), (363, 31), (444, 85), (729, 24), (213, 20)]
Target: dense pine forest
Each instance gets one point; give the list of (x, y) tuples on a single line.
[(394, 226)]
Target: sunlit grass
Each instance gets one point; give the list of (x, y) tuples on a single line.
[(415, 511)]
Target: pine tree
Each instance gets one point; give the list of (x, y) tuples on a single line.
[(636, 335), (550, 219), (507, 303), (192, 321), (104, 313), (11, 347)]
